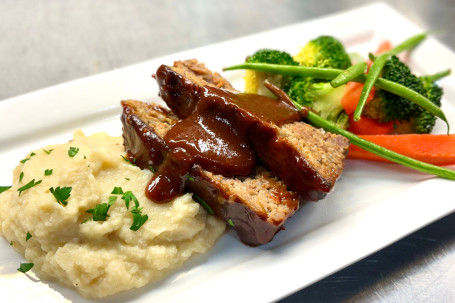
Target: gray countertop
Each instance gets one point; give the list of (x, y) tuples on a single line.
[(49, 42)]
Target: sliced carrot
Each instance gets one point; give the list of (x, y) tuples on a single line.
[(429, 148), (352, 95), (383, 47), (353, 90), (368, 126)]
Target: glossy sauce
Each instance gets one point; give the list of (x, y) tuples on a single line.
[(213, 133)]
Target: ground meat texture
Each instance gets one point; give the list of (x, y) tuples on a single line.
[(302, 156), (255, 206)]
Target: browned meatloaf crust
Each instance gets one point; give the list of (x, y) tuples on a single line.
[(307, 159), (256, 206)]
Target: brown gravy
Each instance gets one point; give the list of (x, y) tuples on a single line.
[(214, 135)]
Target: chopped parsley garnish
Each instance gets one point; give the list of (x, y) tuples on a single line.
[(24, 160), (204, 204), (86, 220), (112, 200), (138, 218), (61, 194), (32, 154), (28, 236), (21, 176), (128, 196), (128, 160), (190, 178), (85, 157), (72, 151), (4, 188), (152, 169), (231, 223), (11, 243), (99, 212), (48, 151), (24, 267), (127, 179), (117, 191), (28, 186), (48, 172)]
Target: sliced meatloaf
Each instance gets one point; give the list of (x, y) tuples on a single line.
[(255, 206), (307, 159)]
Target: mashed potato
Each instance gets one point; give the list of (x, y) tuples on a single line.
[(98, 258)]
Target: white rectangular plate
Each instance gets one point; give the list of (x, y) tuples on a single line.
[(372, 205)]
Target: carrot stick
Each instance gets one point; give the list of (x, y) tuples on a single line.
[(429, 148), (383, 47), (367, 126), (352, 95)]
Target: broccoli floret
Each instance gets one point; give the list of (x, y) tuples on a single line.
[(432, 91), (387, 107), (254, 80), (425, 121), (272, 57), (324, 51), (319, 95)]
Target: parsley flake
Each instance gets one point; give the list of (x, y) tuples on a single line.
[(48, 151), (28, 236), (190, 178), (128, 196), (112, 200), (21, 176), (24, 160), (117, 191), (11, 243), (153, 170), (24, 267), (127, 179), (204, 204), (231, 223), (99, 212), (4, 188), (86, 220), (28, 186), (32, 154), (61, 194), (128, 160), (138, 219), (72, 151), (48, 172)]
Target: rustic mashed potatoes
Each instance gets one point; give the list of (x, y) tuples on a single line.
[(98, 258)]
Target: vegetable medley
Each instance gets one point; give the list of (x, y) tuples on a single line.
[(386, 110)]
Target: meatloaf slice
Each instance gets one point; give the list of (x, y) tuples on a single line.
[(307, 159), (144, 126), (200, 71), (195, 72), (255, 206)]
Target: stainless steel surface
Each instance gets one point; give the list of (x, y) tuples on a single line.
[(44, 43)]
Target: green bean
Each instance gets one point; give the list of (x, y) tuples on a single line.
[(349, 74), (407, 44), (403, 91), (371, 56), (317, 121), (438, 75), (376, 68), (371, 77), (289, 70), (331, 73)]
